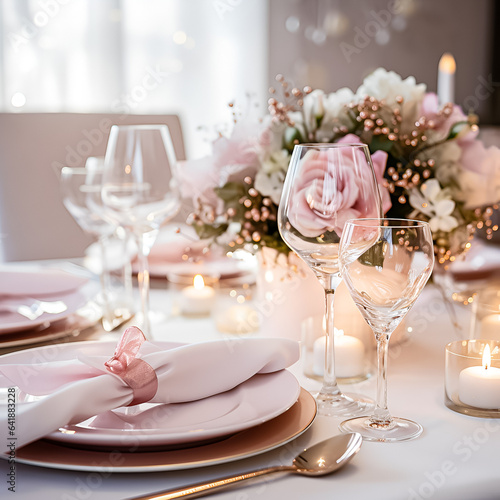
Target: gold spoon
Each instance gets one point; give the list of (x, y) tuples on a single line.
[(318, 460)]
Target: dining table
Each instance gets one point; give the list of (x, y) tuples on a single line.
[(456, 457)]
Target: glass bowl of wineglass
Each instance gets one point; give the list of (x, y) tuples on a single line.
[(385, 265), (81, 194), (327, 184), (140, 191)]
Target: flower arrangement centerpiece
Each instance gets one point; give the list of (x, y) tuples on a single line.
[(427, 159)]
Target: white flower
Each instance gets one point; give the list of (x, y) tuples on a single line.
[(447, 156), (387, 85), (436, 203), (313, 109), (336, 113), (270, 185), (336, 101), (276, 161), (383, 84)]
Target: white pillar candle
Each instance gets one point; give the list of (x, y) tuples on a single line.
[(479, 386), (490, 327), (349, 355), (197, 299), (446, 79), (348, 318)]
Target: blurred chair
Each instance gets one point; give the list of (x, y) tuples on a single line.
[(34, 224)]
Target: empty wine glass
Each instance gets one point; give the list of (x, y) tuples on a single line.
[(327, 184), (385, 265), (81, 194), (140, 190)]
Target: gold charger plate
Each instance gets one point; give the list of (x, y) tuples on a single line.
[(244, 444)]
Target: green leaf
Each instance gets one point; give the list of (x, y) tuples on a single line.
[(458, 129), (290, 136), (374, 256), (378, 143), (206, 231), (230, 191)]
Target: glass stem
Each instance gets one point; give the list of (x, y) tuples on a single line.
[(381, 416), (126, 272), (143, 280), (329, 379), (105, 278)]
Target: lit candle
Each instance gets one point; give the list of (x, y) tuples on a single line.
[(479, 386), (490, 327), (349, 355), (446, 79), (197, 299)]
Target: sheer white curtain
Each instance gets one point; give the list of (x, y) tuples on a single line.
[(189, 57)]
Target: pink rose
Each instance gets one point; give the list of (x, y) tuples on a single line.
[(379, 161), (329, 190), (430, 108), (232, 159)]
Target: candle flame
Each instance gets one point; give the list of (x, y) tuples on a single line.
[(447, 63), (486, 357), (198, 282)]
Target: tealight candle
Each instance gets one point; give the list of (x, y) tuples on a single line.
[(490, 327), (349, 355), (479, 386), (198, 299)]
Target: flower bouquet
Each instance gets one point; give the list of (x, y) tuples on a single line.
[(427, 159)]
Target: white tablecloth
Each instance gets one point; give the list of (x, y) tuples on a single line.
[(456, 457)]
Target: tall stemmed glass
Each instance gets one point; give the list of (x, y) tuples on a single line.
[(140, 190), (327, 184), (385, 265), (81, 194)]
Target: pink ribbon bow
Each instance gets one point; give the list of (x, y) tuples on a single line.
[(135, 372)]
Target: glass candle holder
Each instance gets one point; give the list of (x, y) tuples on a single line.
[(196, 295), (354, 354), (487, 313), (234, 313), (472, 377)]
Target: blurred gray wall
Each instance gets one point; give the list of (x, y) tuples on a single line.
[(338, 42)]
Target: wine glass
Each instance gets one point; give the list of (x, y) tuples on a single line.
[(327, 184), (81, 195), (385, 265), (140, 190)]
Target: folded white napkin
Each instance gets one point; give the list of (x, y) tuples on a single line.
[(80, 388)]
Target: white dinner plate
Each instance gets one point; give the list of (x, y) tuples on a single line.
[(36, 281), (253, 402), (250, 442), (11, 321)]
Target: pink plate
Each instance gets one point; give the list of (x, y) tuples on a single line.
[(37, 282), (11, 322)]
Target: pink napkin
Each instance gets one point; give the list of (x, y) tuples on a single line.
[(80, 388)]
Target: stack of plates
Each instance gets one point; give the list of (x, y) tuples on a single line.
[(260, 414), (178, 255), (39, 304)]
